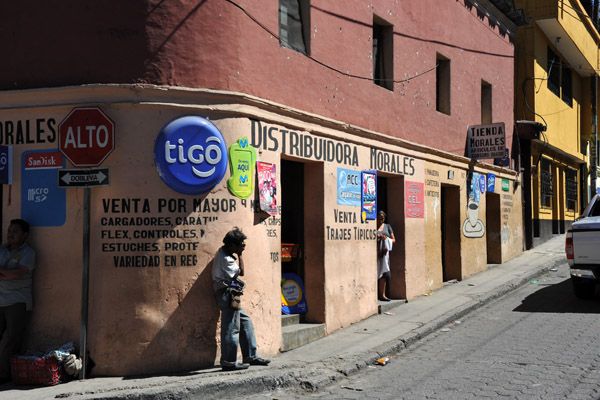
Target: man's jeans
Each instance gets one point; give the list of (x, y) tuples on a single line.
[(236, 328)]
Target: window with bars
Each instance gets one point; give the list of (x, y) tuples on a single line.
[(566, 85), (546, 182), (571, 190), (560, 77)]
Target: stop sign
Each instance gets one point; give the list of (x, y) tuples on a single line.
[(86, 136)]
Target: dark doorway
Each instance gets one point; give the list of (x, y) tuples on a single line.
[(493, 228), (451, 233), (292, 215)]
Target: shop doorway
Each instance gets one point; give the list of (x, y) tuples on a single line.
[(451, 233), (390, 198), (493, 228), (302, 226)]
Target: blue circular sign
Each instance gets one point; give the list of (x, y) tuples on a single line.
[(190, 155)]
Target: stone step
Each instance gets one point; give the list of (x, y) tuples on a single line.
[(291, 319), (298, 335), (387, 306)]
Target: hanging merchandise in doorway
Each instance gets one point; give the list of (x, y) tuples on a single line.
[(267, 187), (368, 195), (242, 158)]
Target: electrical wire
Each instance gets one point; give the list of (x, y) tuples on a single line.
[(322, 63)]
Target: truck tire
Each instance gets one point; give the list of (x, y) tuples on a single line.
[(583, 290)]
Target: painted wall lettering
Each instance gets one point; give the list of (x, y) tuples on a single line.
[(390, 162), (34, 131), (302, 145)]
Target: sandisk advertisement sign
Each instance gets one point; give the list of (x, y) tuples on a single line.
[(190, 155)]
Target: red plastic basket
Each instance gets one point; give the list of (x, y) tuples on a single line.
[(37, 371)]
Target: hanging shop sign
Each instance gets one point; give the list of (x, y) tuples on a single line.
[(348, 187), (267, 187), (415, 200), (43, 203), (368, 195), (190, 155), (5, 165), (242, 158), (486, 141), (292, 294), (505, 185), (473, 187)]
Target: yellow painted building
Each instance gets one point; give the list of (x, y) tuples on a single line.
[(556, 91)]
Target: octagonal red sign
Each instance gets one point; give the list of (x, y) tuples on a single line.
[(86, 136)]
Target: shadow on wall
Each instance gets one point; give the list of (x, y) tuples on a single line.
[(187, 341)]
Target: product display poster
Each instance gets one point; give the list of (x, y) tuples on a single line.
[(348, 187), (267, 187), (491, 183), (242, 157), (292, 295), (43, 203), (368, 195)]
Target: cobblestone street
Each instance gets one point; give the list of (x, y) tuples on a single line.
[(538, 342)]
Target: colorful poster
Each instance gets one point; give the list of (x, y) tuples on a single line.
[(368, 195), (292, 295), (474, 187), (348, 187), (415, 200), (267, 187), (491, 183)]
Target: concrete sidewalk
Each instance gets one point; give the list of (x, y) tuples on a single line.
[(339, 354)]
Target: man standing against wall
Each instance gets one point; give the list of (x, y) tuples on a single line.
[(17, 261), (236, 325)]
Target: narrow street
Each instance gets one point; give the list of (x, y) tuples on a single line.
[(538, 342)]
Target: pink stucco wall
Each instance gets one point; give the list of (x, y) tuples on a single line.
[(214, 44)]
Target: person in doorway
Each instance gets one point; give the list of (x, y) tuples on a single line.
[(385, 241), (17, 261), (236, 325)]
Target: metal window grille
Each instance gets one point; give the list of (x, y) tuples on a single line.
[(546, 182), (571, 192)]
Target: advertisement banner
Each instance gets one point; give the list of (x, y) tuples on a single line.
[(415, 200), (267, 187), (43, 203), (348, 187), (368, 195)]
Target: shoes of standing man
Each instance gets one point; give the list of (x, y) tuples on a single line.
[(235, 367), (257, 361)]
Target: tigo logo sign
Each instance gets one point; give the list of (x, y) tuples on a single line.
[(190, 155)]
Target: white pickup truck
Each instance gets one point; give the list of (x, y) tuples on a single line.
[(582, 247)]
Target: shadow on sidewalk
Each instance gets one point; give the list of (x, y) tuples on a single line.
[(559, 298)]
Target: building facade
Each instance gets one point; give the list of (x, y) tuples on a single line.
[(556, 85), (330, 97)]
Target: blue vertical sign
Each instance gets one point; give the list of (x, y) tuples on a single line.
[(43, 203), (368, 195), (5, 165)]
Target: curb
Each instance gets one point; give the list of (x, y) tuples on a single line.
[(314, 376)]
